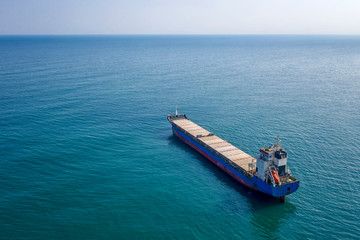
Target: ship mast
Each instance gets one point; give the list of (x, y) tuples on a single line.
[(277, 143)]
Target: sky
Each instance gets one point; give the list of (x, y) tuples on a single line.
[(38, 17)]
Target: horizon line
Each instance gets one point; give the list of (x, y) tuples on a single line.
[(181, 34)]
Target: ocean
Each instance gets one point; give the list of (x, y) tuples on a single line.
[(86, 151)]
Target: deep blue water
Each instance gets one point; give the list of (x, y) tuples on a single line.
[(86, 151)]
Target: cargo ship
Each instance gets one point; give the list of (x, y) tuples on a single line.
[(266, 173)]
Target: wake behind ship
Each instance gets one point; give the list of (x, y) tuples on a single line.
[(267, 173)]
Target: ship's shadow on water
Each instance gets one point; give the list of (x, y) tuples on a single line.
[(268, 213)]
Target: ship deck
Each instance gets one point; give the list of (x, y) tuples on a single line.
[(216, 144)]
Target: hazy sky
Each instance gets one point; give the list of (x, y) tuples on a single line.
[(180, 17)]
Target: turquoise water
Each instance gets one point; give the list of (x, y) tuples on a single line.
[(86, 151)]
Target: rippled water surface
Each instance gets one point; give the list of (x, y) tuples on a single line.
[(86, 151)]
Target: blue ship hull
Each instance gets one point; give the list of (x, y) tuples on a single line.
[(248, 180)]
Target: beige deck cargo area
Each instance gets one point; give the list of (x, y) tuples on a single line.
[(222, 147)]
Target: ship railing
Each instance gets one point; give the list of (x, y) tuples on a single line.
[(174, 116), (218, 154)]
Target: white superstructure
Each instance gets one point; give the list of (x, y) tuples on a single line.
[(271, 163)]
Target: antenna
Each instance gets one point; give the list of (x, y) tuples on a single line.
[(277, 141), (176, 110)]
